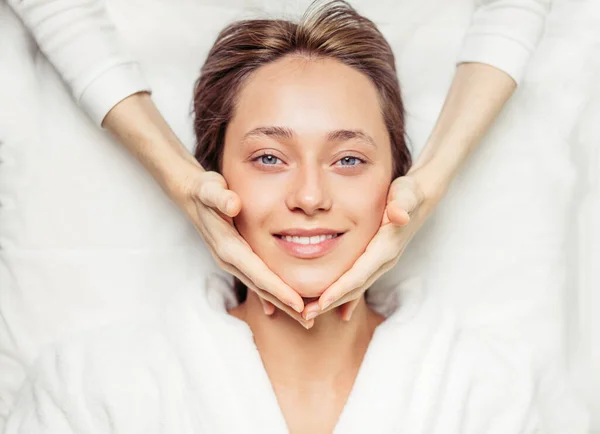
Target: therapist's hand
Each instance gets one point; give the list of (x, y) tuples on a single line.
[(409, 204), (204, 196), (137, 124), (476, 97)]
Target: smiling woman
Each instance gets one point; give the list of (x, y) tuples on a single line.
[(297, 184), (312, 114), (305, 123)]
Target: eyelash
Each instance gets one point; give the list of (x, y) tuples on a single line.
[(360, 160), (266, 155)]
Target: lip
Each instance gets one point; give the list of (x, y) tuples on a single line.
[(298, 232), (308, 251)]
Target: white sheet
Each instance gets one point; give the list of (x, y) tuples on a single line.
[(88, 239)]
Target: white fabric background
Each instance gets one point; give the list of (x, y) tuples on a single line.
[(87, 238)]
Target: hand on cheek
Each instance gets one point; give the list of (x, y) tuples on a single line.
[(407, 209)]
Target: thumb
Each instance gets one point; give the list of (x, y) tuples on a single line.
[(395, 214), (215, 194), (403, 198)]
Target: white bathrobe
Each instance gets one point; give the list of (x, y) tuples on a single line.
[(196, 369)]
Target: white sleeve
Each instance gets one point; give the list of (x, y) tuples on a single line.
[(79, 39), (504, 34)]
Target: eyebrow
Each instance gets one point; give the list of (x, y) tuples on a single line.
[(285, 133)]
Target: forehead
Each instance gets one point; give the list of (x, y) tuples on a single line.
[(310, 96)]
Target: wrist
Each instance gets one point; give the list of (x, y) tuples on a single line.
[(137, 124), (176, 176), (431, 181)]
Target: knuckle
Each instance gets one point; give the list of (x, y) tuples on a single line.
[(205, 193), (215, 179), (224, 251), (211, 175), (391, 255), (229, 269), (359, 282), (260, 284)]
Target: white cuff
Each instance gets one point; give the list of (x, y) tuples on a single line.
[(110, 88), (496, 50)]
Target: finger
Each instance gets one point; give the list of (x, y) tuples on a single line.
[(347, 298), (248, 263), (276, 303), (347, 309), (356, 294), (269, 298), (268, 307), (215, 229), (233, 205), (396, 214), (369, 262), (214, 194), (233, 254), (232, 249), (406, 191), (311, 310), (289, 311), (339, 304)]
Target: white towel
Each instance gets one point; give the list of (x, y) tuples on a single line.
[(196, 369)]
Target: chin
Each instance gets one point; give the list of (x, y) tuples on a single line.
[(309, 283)]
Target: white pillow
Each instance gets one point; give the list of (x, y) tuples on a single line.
[(88, 238)]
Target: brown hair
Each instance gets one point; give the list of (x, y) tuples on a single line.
[(331, 29)]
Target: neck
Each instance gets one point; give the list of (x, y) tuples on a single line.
[(330, 352)]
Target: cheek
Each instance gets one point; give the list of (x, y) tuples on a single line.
[(366, 205), (260, 201), (360, 212)]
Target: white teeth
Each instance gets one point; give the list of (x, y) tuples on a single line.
[(316, 239)]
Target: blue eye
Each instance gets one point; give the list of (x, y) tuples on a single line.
[(350, 161), (268, 159)]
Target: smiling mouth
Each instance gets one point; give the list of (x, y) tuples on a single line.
[(308, 247), (315, 239)]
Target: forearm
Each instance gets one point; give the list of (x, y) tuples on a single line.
[(137, 124), (82, 43), (476, 97)]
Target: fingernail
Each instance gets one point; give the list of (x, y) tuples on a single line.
[(296, 307), (305, 325), (327, 303), (228, 206), (311, 315)]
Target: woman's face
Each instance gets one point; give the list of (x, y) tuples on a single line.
[(309, 155)]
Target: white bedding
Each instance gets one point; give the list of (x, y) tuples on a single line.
[(88, 239)]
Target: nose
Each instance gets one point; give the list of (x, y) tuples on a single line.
[(308, 191)]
